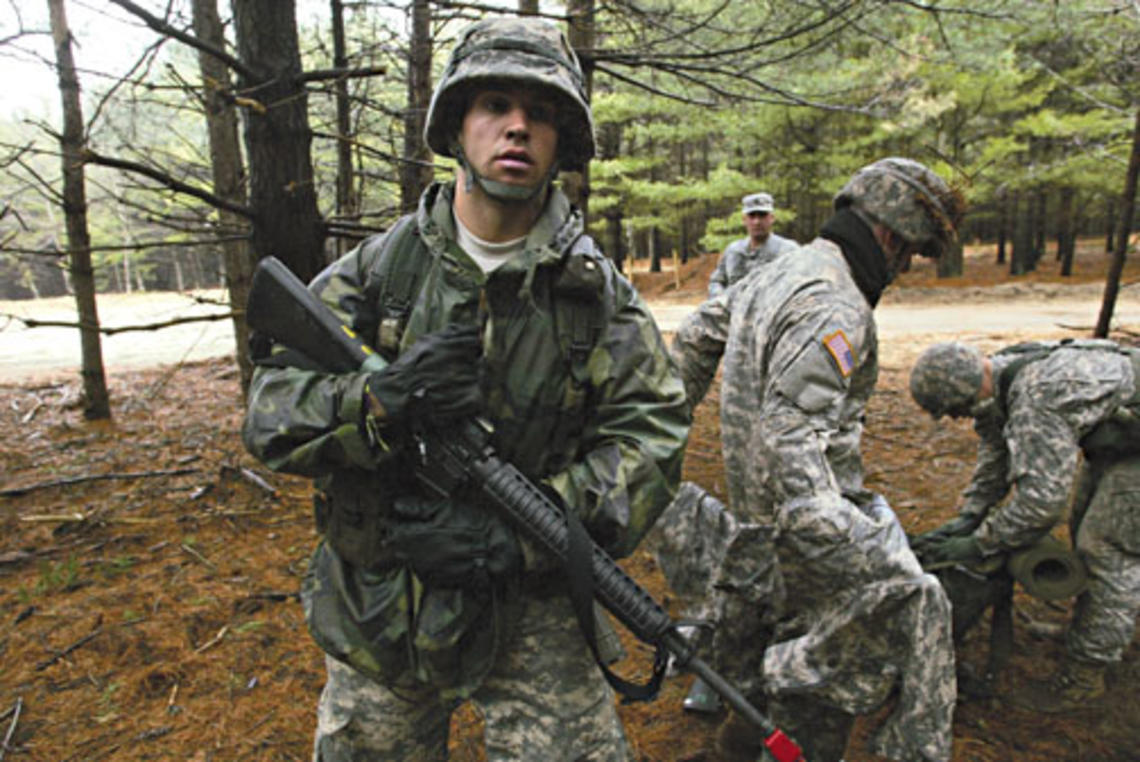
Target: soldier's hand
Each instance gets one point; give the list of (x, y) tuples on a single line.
[(951, 551), (440, 371), (955, 527)]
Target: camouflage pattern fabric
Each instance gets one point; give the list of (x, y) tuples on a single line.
[(610, 445), (1035, 448), (529, 51), (689, 541), (857, 617), (1107, 531), (947, 377), (739, 259), (545, 699), (1034, 451), (908, 198)]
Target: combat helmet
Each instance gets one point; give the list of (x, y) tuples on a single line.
[(947, 378), (910, 199), (528, 51)]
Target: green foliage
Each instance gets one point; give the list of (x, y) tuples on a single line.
[(117, 566), (57, 577)]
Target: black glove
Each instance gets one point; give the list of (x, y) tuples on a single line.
[(440, 371), (950, 551), (955, 527)]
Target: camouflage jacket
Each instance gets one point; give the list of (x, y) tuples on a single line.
[(611, 446), (800, 352), (739, 258), (1034, 447)]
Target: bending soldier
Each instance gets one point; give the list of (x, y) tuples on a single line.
[(852, 615), (490, 299), (1036, 408)]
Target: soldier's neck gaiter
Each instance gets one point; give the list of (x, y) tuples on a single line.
[(863, 254)]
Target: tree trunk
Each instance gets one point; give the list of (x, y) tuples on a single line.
[(1066, 235), (1123, 229), (415, 169), (346, 204), (226, 166), (1021, 258), (1003, 227), (528, 7), (1040, 224), (950, 263), (609, 144), (581, 38), (1110, 226), (286, 222), (96, 403)]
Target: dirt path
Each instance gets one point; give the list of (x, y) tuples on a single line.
[(921, 315)]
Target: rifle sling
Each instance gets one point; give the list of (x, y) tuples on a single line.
[(580, 581)]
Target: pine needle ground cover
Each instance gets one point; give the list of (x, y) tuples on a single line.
[(149, 570)]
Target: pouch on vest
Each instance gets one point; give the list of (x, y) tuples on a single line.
[(359, 617), (1113, 438), (449, 543), (1120, 434), (352, 514), (398, 629)]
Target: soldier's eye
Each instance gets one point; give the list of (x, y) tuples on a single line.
[(542, 112)]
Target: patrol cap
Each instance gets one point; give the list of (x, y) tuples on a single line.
[(757, 202), (908, 198), (523, 51), (947, 378)]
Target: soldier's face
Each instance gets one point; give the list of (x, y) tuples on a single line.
[(898, 253), (759, 224), (509, 135)]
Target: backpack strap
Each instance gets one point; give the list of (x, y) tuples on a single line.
[(391, 285), (1007, 375), (583, 305)]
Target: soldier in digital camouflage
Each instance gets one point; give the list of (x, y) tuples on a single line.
[(762, 246), (489, 300), (823, 610), (1037, 408)]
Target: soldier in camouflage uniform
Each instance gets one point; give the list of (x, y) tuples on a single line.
[(819, 571), (1037, 407), (760, 247), (423, 601)]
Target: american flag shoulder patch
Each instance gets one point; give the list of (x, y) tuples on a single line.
[(840, 350)]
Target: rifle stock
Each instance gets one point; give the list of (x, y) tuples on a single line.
[(281, 307)]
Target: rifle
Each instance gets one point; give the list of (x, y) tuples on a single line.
[(282, 308)]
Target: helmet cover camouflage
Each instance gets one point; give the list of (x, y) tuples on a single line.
[(908, 198), (529, 51), (947, 378)]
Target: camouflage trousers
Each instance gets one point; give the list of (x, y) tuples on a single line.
[(544, 700), (1106, 524), (861, 622)]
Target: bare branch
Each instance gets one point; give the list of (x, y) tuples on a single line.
[(317, 75), (133, 247), (160, 26), (165, 179), (33, 323)]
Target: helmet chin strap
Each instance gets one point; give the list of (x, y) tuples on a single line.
[(506, 192)]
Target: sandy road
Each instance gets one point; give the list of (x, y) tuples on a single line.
[(996, 316)]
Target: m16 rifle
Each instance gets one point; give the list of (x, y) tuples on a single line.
[(283, 309)]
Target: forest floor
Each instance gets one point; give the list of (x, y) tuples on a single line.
[(149, 568)]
